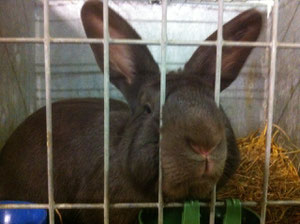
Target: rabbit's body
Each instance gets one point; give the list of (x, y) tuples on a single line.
[(78, 143), (77, 136), (198, 145), (78, 157)]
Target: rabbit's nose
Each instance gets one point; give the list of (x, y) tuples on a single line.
[(200, 149)]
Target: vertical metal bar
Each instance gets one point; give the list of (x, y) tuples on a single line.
[(219, 53), (162, 99), (266, 63), (106, 110), (217, 93), (48, 112), (270, 110), (212, 206)]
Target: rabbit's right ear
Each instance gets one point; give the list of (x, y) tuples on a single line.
[(244, 27), (130, 65)]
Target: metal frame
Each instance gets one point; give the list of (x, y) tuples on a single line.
[(270, 110), (48, 112), (163, 42), (106, 111), (54, 40), (163, 45)]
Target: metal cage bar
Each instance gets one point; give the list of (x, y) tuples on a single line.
[(217, 92), (270, 111), (164, 42), (148, 42), (260, 44), (106, 111), (48, 112), (219, 53), (162, 100), (137, 205), (252, 3)]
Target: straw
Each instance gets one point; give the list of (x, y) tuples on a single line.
[(284, 183)]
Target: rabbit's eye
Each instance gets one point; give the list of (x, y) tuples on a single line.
[(147, 109)]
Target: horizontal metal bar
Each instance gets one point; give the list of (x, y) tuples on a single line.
[(246, 44), (79, 206), (207, 204), (130, 41), (138, 205), (252, 3), (101, 205), (147, 42), (157, 42), (77, 40), (21, 40), (225, 1), (288, 45), (24, 206), (135, 205), (291, 202)]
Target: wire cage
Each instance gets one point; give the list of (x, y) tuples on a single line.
[(46, 58)]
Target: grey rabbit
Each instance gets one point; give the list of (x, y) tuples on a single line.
[(198, 144)]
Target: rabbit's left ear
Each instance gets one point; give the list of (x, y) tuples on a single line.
[(130, 65), (244, 27)]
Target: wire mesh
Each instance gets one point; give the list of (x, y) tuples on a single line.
[(162, 100), (259, 44), (106, 111), (163, 42), (138, 205), (217, 92), (48, 113), (270, 111)]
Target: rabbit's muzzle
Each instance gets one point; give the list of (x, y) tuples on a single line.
[(194, 149)]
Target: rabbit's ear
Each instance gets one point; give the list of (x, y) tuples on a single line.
[(130, 65), (244, 27)]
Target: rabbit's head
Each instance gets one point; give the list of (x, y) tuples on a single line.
[(198, 145)]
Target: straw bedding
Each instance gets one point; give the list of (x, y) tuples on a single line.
[(284, 180)]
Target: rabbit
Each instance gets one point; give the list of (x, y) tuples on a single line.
[(198, 146)]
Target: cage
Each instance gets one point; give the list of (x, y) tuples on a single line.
[(46, 57)]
